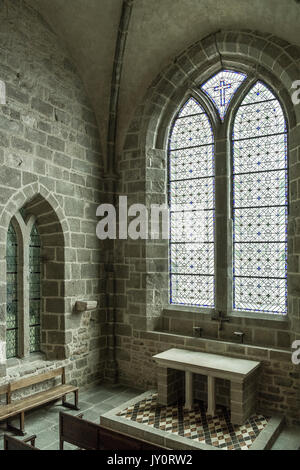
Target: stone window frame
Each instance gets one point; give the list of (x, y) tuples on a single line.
[(54, 233), (276, 62), (223, 154), (23, 229)]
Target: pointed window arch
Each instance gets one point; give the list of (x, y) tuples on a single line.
[(191, 202), (260, 203)]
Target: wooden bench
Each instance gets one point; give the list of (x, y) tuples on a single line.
[(241, 373), (11, 443), (91, 436), (18, 407)]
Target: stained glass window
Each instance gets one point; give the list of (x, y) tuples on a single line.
[(34, 290), (191, 201), (260, 204), (221, 87), (12, 327)]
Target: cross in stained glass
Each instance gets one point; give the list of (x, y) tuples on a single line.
[(222, 88)]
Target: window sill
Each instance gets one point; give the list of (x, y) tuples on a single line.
[(173, 308), (16, 362), (259, 316), (189, 308), (196, 313)]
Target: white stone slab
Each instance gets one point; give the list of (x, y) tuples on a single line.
[(206, 363)]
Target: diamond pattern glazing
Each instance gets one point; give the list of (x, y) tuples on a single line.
[(191, 201), (260, 204)]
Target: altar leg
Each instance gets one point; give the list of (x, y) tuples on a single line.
[(188, 390), (211, 395)]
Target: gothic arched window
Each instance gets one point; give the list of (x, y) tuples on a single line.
[(23, 274), (12, 317), (34, 290), (248, 258)]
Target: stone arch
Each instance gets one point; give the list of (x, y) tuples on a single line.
[(260, 55), (35, 200), (25, 197)]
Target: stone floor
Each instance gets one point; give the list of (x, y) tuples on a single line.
[(96, 401), (93, 402)]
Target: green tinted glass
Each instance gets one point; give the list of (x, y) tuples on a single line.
[(12, 294), (34, 290)]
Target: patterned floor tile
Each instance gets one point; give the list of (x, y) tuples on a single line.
[(195, 424)]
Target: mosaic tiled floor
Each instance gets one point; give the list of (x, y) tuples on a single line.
[(195, 424)]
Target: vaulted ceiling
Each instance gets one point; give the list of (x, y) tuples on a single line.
[(158, 31)]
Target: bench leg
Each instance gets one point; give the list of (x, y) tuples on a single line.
[(188, 390), (61, 444), (21, 430), (211, 396), (76, 400), (31, 440), (69, 405), (22, 422)]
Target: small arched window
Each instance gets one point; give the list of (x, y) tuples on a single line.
[(23, 261), (35, 290), (12, 307)]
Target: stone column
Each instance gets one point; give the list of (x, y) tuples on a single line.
[(211, 396), (223, 225), (188, 390)]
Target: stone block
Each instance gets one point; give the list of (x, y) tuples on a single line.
[(42, 107), (55, 143), (10, 177)]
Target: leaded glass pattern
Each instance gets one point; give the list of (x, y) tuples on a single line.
[(12, 320), (34, 290), (191, 201), (221, 88), (260, 204)]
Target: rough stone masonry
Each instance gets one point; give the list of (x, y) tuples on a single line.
[(50, 164)]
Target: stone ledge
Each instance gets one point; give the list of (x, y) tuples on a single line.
[(219, 346), (196, 313), (267, 437)]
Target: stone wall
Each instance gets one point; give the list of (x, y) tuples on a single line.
[(51, 164), (143, 279)]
